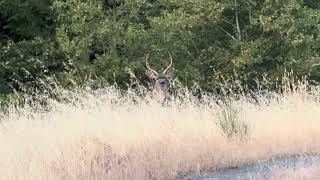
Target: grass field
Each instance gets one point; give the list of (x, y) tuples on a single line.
[(105, 135)]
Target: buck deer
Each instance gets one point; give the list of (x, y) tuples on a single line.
[(161, 83)]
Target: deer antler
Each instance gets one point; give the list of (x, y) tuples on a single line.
[(164, 72), (148, 66)]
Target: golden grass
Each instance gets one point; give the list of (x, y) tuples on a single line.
[(107, 136)]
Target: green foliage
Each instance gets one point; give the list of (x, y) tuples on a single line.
[(31, 64), (211, 41), (22, 19)]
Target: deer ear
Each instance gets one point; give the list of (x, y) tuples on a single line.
[(170, 73), (151, 74)]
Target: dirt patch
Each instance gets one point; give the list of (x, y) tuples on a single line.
[(264, 169)]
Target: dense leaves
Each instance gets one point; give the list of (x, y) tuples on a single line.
[(211, 41)]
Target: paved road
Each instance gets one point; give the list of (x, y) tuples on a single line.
[(259, 169)]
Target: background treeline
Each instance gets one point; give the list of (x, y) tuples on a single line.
[(211, 41)]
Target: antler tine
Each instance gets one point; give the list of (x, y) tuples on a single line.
[(148, 66), (164, 72)]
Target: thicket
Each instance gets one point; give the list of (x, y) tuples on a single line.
[(212, 42)]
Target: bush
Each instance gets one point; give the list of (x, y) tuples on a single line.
[(210, 41)]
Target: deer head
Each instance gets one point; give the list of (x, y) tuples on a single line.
[(161, 81)]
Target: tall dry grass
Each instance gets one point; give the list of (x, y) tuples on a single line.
[(107, 134)]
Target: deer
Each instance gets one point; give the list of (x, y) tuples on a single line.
[(161, 83)]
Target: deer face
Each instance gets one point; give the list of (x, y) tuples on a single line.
[(161, 81)]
